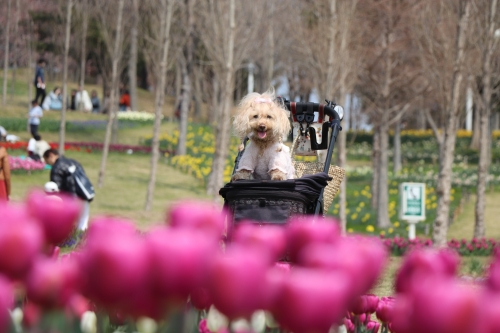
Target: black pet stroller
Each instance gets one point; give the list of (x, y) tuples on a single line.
[(274, 202)]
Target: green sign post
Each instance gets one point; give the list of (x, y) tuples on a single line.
[(412, 207)]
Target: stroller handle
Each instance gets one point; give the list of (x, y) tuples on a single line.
[(312, 107)]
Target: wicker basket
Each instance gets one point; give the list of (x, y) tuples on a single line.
[(310, 168)]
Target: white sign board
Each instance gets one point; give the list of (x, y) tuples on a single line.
[(412, 206)]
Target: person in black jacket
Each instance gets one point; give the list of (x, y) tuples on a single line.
[(62, 174)]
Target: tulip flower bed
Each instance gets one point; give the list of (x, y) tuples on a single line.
[(18, 164), (399, 246), (88, 147), (168, 271), (139, 116)]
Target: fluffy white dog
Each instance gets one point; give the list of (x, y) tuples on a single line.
[(264, 121)]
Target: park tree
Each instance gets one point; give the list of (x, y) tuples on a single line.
[(485, 20), (113, 42), (84, 10), (132, 62), (161, 20), (62, 126), (224, 29), (6, 54)]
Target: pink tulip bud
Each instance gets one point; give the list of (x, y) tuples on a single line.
[(493, 279), (349, 326), (57, 217), (102, 227), (275, 279), (373, 326), (489, 316), (305, 231), (384, 309), (320, 297), (21, 238), (423, 264), (115, 265), (6, 303), (51, 283), (200, 298), (198, 215), (180, 259), (272, 239), (236, 281), (31, 314), (78, 305), (365, 304)]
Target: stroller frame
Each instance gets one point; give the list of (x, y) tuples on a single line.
[(303, 113)]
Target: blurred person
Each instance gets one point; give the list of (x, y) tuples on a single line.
[(3, 134), (72, 100), (82, 100), (41, 146), (96, 103), (53, 101), (32, 148), (125, 101), (4, 174), (35, 114), (40, 80), (69, 175)]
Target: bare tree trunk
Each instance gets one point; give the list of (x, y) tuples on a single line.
[(62, 127), (376, 165), (186, 70), (113, 96), (397, 147), (197, 92), (6, 55), (383, 220), (484, 158), (30, 63), (166, 19), (476, 131), (444, 177), (16, 49), (132, 63), (184, 112), (223, 130), (83, 59), (270, 36)]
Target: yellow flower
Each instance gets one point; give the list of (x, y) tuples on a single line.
[(396, 224), (390, 230), (350, 230), (361, 204), (370, 228), (354, 216), (382, 233)]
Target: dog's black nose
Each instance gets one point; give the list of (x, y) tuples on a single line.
[(262, 127)]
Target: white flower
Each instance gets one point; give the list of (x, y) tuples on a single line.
[(17, 319), (258, 321), (88, 322), (146, 325), (216, 320), (240, 325)]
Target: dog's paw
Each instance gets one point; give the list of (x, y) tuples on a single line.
[(277, 175), (242, 175)]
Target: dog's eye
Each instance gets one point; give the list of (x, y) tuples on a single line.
[(269, 117), (256, 116)]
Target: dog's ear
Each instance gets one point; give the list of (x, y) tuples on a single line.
[(283, 126), (241, 123)]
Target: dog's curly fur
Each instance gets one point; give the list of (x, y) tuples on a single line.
[(264, 121)]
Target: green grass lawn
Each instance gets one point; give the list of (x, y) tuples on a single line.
[(124, 190)]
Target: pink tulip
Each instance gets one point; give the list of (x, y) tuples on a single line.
[(6, 303), (115, 266), (384, 309), (365, 304), (236, 281), (349, 326), (180, 260), (312, 300), (51, 283), (489, 316), (273, 287), (439, 305), (361, 258), (198, 215), (493, 279), (77, 305), (57, 217), (200, 299), (424, 264), (31, 314), (103, 227), (305, 231), (272, 239), (21, 238), (373, 326)]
